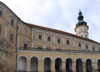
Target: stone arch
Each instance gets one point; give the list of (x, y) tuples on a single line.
[(90, 59), (47, 57), (97, 59), (47, 64), (80, 58), (69, 58), (69, 64), (22, 63), (34, 56), (58, 64), (89, 66), (58, 57), (79, 64), (34, 63), (98, 64), (23, 56)]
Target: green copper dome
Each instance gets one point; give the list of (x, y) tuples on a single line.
[(80, 19)]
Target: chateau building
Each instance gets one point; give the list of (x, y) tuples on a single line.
[(44, 49)]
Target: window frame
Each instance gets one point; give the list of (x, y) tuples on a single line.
[(86, 46), (58, 40), (79, 44), (12, 22), (40, 36), (48, 38), (25, 47), (11, 38), (93, 48), (68, 42), (1, 13)]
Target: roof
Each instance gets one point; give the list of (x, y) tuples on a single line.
[(62, 32)]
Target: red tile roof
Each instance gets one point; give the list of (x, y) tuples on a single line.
[(62, 32)]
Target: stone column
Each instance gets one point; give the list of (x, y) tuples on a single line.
[(74, 66), (28, 65), (64, 66), (53, 66), (41, 66)]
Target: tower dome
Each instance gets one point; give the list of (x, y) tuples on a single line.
[(80, 19)]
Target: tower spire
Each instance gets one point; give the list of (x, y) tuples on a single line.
[(80, 17)]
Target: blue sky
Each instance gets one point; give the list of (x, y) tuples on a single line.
[(58, 14)]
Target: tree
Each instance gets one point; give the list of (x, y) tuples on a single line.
[(7, 56)]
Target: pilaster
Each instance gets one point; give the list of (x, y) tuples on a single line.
[(53, 66), (64, 66), (95, 66), (74, 66), (41, 66), (28, 65)]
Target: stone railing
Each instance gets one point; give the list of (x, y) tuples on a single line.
[(61, 50)]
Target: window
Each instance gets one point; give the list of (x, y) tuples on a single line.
[(79, 44), (11, 38), (85, 35), (81, 29), (93, 48), (25, 46), (58, 40), (49, 38), (0, 13), (86, 46), (40, 36), (67, 42), (12, 22)]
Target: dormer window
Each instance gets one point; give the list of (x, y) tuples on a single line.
[(0, 13)]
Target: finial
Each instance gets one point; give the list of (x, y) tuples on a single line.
[(80, 13)]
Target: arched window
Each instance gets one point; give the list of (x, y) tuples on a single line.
[(0, 13)]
